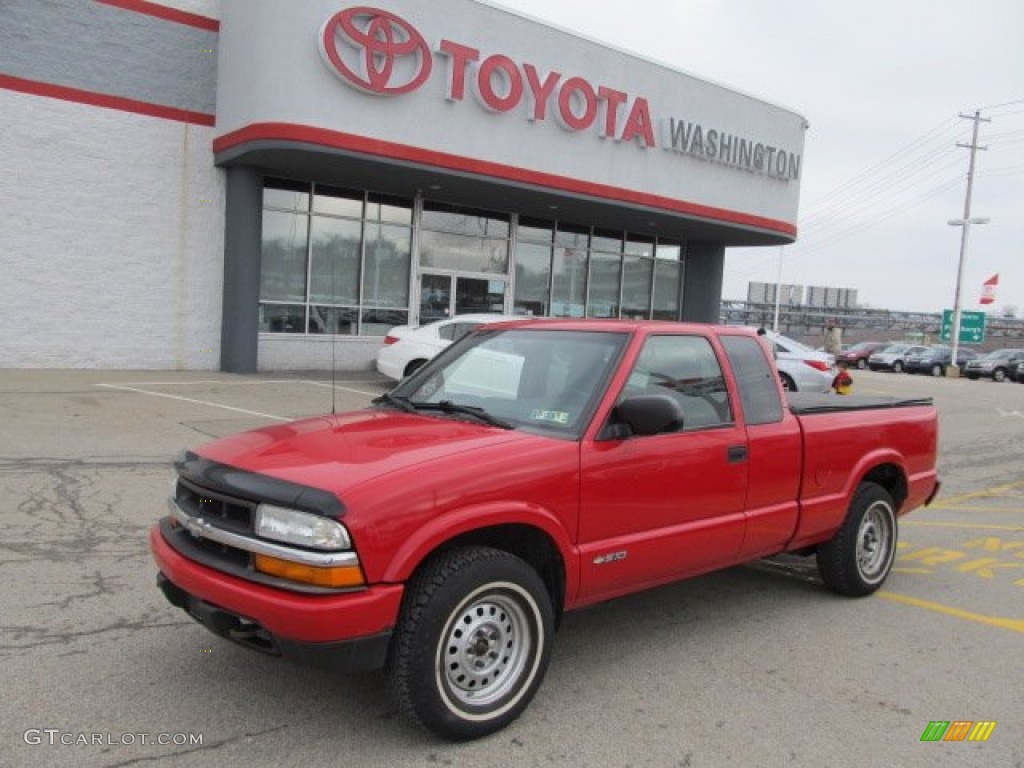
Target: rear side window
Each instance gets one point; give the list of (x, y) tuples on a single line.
[(759, 392)]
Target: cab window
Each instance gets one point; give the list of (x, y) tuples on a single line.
[(685, 368)]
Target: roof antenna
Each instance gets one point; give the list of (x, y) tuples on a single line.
[(334, 338), (334, 342)]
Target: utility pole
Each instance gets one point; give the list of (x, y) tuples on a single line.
[(965, 222)]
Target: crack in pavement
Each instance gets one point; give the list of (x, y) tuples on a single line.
[(248, 735)]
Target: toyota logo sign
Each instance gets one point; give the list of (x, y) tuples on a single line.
[(375, 51)]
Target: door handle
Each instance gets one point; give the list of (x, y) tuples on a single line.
[(737, 453)]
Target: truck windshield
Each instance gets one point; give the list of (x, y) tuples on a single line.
[(548, 381)]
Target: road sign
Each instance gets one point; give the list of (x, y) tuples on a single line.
[(972, 326)]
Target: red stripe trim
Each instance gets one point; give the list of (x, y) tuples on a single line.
[(79, 96), (165, 13), (339, 140)]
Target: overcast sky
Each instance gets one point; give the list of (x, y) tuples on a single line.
[(882, 85)]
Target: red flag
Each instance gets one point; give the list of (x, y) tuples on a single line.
[(988, 290)]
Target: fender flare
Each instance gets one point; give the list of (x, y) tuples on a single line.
[(454, 523)]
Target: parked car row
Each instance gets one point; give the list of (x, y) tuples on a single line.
[(1000, 365), (408, 347)]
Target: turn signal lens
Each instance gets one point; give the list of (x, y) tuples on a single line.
[(332, 576)]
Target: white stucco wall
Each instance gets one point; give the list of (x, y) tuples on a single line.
[(286, 352), (111, 248)]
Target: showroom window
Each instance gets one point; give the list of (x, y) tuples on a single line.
[(458, 239), (333, 260), (565, 270)]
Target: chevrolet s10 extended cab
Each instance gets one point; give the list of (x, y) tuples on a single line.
[(530, 469)]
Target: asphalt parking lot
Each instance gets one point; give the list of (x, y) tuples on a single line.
[(757, 665)]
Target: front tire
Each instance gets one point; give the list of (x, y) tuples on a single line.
[(787, 382), (999, 374), (862, 364), (857, 560), (472, 644)]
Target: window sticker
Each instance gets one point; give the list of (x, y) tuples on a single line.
[(556, 417)]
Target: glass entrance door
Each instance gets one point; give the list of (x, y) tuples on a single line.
[(443, 296)]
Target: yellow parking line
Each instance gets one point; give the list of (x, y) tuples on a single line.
[(963, 525), (1014, 625), (993, 491), (988, 508)]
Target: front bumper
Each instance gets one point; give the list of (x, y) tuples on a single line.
[(345, 631)]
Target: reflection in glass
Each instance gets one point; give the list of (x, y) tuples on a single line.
[(636, 287), (668, 250), (291, 195), (283, 266), (390, 210), (282, 318), (338, 202), (377, 322), (606, 240), (473, 294), (334, 276), (603, 297), (386, 269), (568, 282), (572, 236), (444, 250), (534, 230), (435, 297), (639, 245), (533, 278), (337, 320), (666, 289), (465, 221)]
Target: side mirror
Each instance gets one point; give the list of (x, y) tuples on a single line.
[(649, 415)]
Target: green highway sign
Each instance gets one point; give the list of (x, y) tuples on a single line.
[(972, 326)]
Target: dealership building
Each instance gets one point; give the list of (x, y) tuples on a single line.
[(263, 185)]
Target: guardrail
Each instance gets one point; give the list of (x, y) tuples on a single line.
[(807, 324)]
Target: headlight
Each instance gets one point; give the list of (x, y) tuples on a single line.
[(300, 528)]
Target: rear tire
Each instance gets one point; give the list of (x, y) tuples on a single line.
[(472, 643), (413, 366), (857, 560), (862, 364), (897, 367), (999, 374), (787, 382), (937, 370)]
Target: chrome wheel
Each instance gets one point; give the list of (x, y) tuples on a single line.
[(857, 560), (472, 643), (875, 543), (486, 648)]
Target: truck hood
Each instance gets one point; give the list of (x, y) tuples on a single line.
[(338, 452)]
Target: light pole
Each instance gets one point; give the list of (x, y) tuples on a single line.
[(955, 330), (965, 222)]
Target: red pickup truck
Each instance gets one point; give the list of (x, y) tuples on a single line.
[(531, 468)]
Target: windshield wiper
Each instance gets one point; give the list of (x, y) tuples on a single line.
[(401, 403), (447, 406)]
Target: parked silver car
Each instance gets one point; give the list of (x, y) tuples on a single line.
[(995, 365), (801, 368), (894, 357)]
